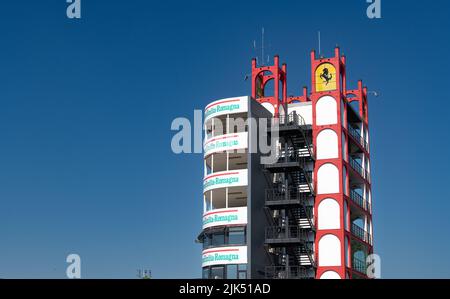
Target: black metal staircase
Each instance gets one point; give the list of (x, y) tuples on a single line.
[(289, 238)]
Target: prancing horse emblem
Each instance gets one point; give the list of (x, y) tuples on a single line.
[(326, 76)]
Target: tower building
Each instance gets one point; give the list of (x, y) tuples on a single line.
[(307, 213)]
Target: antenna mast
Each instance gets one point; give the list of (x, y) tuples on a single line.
[(320, 50), (262, 46)]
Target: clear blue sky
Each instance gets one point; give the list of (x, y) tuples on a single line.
[(86, 107)]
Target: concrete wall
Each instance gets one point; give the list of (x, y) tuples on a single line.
[(258, 183)]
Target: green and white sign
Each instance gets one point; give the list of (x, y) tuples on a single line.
[(230, 216), (226, 106), (223, 179), (229, 142), (224, 256)]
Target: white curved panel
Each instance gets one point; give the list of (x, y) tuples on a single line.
[(326, 111), (230, 216), (328, 214), (327, 145), (226, 106), (330, 275), (232, 178), (328, 179), (229, 142), (224, 256), (329, 251)]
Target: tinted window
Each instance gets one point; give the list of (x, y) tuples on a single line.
[(218, 239), (231, 271), (217, 272), (205, 274), (236, 236)]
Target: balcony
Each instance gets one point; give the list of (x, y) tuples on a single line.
[(284, 272), (357, 136), (356, 166), (359, 266), (277, 197), (359, 169), (359, 200), (361, 234), (285, 235), (290, 161), (293, 121)]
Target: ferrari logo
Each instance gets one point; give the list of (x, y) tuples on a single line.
[(325, 77)]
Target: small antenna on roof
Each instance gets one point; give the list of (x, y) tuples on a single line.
[(261, 57), (320, 50), (262, 45)]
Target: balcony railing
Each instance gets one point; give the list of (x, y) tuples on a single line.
[(292, 119), (358, 137), (360, 266), (287, 234), (359, 169), (359, 200), (284, 272), (281, 194), (361, 233), (292, 156)]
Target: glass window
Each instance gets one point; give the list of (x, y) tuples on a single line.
[(242, 271), (242, 267), (218, 239), (231, 271), (206, 241), (236, 236), (217, 272), (205, 273), (208, 204)]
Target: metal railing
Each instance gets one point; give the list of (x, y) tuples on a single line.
[(294, 119), (284, 272), (281, 194), (356, 166), (361, 233), (292, 156), (358, 199), (359, 266), (358, 137), (285, 233)]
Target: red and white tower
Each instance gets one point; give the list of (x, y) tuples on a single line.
[(342, 171), (308, 214)]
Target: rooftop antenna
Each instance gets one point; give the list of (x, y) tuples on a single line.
[(144, 273), (320, 50), (262, 45), (261, 60)]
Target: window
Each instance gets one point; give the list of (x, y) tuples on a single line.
[(218, 239), (206, 241), (236, 236), (232, 271), (242, 271), (217, 272), (205, 273)]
